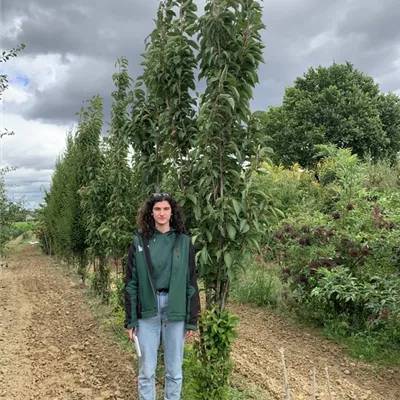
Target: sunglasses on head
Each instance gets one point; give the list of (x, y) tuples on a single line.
[(161, 195)]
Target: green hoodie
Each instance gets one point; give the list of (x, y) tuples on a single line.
[(140, 283), (160, 245)]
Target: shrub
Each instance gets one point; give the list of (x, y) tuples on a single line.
[(360, 239), (372, 304), (290, 188), (209, 366), (341, 263), (381, 175)]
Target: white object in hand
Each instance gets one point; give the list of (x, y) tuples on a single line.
[(137, 347)]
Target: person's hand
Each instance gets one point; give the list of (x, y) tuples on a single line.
[(188, 334), (131, 333)]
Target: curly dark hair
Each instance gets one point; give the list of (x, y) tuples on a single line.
[(145, 220)]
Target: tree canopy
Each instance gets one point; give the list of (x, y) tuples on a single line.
[(336, 104)]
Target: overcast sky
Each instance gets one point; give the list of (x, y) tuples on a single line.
[(72, 46)]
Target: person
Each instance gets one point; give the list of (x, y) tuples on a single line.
[(161, 292)]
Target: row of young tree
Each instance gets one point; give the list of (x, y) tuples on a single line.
[(202, 149), (207, 150)]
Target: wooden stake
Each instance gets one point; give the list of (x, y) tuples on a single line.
[(328, 381), (285, 377), (313, 386)]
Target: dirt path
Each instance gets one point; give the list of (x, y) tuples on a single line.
[(256, 355), (52, 347)]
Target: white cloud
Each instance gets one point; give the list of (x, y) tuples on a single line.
[(43, 71), (11, 26), (320, 40), (33, 150), (15, 94), (29, 184), (34, 144)]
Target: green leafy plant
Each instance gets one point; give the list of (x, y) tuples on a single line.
[(229, 210), (210, 365), (118, 292), (372, 304)]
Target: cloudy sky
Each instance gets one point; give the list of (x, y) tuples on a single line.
[(72, 46)]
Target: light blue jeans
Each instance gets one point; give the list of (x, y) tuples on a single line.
[(173, 340)]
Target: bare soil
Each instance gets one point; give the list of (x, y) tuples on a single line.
[(53, 347), (51, 344), (257, 356)]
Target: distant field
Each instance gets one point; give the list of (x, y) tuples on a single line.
[(23, 227)]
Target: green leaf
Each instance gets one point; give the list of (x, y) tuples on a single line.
[(231, 274), (194, 238), (228, 259), (209, 235), (246, 227), (192, 197), (204, 255), (237, 206), (231, 230), (229, 99)]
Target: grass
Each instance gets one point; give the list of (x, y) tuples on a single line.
[(240, 389), (16, 245), (24, 226), (259, 284), (373, 348), (21, 228)]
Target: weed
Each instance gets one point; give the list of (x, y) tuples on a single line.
[(259, 284)]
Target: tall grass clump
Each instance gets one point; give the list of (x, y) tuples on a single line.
[(258, 284)]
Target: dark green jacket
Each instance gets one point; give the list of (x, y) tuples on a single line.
[(140, 285)]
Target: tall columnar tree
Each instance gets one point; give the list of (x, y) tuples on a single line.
[(164, 109), (229, 210), (230, 53), (5, 226), (178, 118), (150, 102), (95, 190), (71, 216), (117, 230), (339, 105), (62, 202)]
